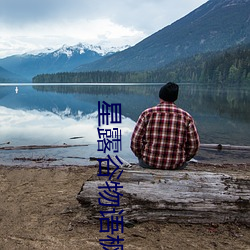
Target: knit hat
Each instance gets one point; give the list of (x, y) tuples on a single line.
[(169, 92)]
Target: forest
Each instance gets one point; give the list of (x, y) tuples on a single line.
[(231, 66)]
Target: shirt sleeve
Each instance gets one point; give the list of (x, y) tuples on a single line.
[(138, 136), (193, 141)]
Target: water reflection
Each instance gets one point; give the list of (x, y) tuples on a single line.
[(51, 114), (227, 101)]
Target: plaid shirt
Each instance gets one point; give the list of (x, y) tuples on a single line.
[(165, 136)]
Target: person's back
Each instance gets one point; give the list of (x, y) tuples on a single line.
[(165, 136)]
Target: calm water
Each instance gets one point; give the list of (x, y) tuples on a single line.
[(54, 114)]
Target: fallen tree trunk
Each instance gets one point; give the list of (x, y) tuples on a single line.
[(174, 196), (224, 147), (29, 147)]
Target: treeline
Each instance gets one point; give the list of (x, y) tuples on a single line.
[(231, 66), (91, 77)]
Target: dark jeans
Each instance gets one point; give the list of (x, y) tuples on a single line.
[(145, 165)]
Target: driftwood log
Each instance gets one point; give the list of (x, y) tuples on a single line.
[(29, 147), (224, 147), (173, 196)]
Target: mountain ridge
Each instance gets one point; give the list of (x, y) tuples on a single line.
[(65, 58), (228, 67), (215, 25), (9, 77)]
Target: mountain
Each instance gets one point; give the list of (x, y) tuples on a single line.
[(214, 26), (63, 59), (7, 76), (230, 66)]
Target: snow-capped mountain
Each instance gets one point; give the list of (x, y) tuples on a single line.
[(63, 59), (81, 48)]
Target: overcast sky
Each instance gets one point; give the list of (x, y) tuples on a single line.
[(27, 25)]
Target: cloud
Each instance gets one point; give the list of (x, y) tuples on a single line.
[(38, 36), (142, 14), (37, 23)]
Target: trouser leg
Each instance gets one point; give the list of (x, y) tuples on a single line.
[(145, 165)]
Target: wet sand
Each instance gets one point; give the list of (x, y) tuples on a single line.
[(39, 210)]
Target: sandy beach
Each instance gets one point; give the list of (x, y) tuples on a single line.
[(39, 210)]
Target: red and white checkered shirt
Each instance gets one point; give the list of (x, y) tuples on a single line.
[(165, 136)]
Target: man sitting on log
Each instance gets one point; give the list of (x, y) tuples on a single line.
[(165, 136)]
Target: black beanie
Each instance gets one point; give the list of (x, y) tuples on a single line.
[(169, 92)]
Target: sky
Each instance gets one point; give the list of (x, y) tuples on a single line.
[(33, 25)]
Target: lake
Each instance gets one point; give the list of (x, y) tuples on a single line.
[(60, 114)]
